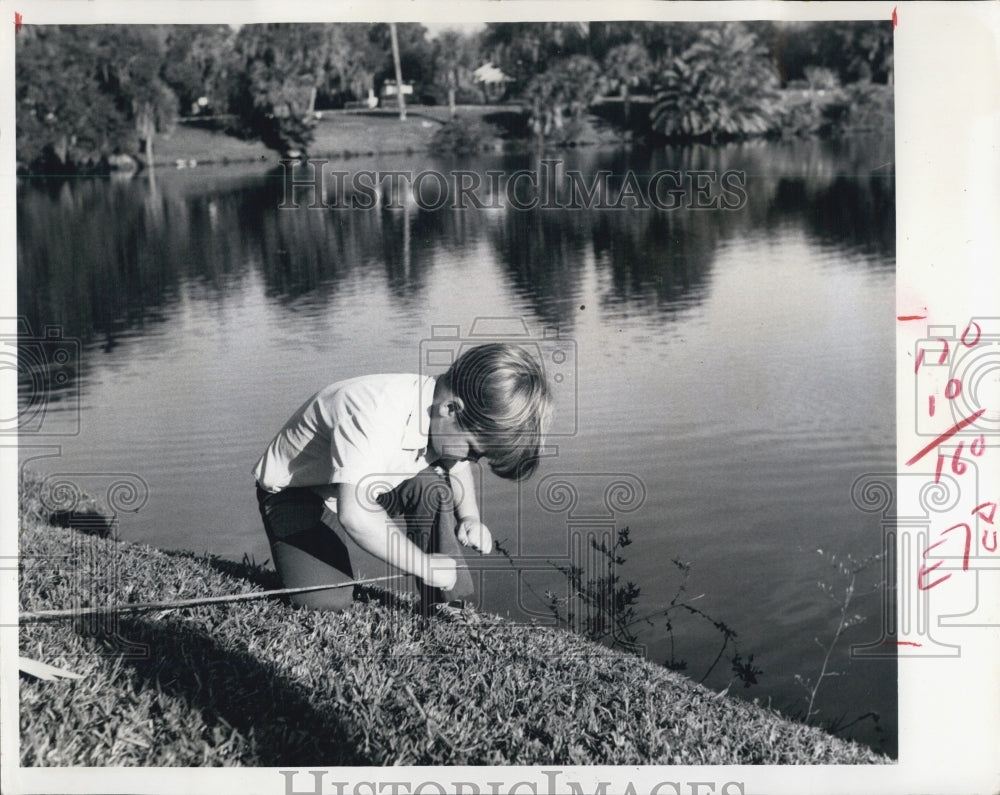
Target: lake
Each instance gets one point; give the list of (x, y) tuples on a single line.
[(724, 375)]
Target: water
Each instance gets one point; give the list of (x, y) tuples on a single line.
[(734, 369)]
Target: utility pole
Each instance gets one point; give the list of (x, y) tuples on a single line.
[(399, 72)]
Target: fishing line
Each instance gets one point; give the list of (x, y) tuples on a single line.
[(38, 616)]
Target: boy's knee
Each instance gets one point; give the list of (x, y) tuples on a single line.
[(426, 493)]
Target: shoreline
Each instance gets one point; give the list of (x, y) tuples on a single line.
[(263, 683)]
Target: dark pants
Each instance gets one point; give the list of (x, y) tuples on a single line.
[(306, 551)]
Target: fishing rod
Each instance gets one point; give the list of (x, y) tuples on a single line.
[(38, 616)]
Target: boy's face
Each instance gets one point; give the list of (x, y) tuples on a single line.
[(446, 438)]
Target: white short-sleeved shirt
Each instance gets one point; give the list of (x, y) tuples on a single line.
[(374, 426)]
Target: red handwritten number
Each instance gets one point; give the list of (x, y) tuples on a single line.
[(953, 389), (986, 546), (968, 542), (978, 446), (944, 353), (940, 466), (930, 405), (924, 571), (920, 360), (979, 333), (958, 466)]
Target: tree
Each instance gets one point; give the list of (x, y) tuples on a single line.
[(721, 87), (524, 50), (625, 67), (399, 72), (567, 88), (198, 63), (128, 68), (455, 59), (280, 67), (87, 92)]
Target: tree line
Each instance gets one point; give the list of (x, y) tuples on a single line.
[(86, 94)]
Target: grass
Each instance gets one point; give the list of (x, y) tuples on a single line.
[(350, 133), (263, 683)]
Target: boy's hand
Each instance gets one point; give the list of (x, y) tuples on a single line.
[(476, 535), (442, 572)]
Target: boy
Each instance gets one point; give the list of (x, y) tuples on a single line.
[(364, 455)]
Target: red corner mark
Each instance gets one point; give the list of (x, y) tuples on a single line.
[(18, 19), (900, 643), (895, 18)]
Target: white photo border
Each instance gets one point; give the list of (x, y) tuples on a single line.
[(947, 111)]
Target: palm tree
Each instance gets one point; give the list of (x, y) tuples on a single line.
[(625, 67), (722, 86)]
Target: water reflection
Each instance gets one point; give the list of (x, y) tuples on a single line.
[(104, 259), (720, 387)]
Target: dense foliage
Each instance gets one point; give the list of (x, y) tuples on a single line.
[(85, 94), (462, 136), (88, 93), (721, 87)]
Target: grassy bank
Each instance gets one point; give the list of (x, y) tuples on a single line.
[(349, 133), (263, 683)]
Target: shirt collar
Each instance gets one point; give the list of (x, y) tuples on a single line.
[(418, 423)]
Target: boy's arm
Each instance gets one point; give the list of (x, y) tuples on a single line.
[(471, 531), (371, 529)]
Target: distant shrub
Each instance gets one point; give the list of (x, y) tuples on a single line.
[(856, 107), (870, 107), (462, 136)]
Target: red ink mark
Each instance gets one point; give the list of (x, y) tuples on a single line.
[(968, 542), (927, 570), (930, 405), (911, 317), (932, 546), (978, 446), (953, 389), (18, 19), (940, 466), (986, 516), (920, 360), (900, 643), (944, 354), (895, 18), (958, 466), (979, 333), (947, 435), (986, 546)]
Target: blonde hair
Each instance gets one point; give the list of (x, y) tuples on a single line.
[(507, 405)]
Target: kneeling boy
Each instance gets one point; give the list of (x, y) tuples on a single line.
[(384, 460)]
